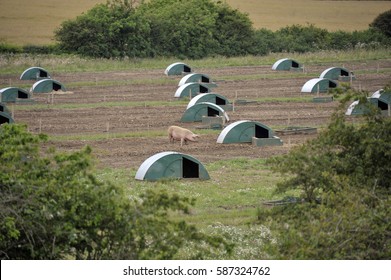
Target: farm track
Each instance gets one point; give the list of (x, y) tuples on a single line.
[(108, 104)]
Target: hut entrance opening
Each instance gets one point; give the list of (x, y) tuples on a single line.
[(56, 87), (220, 101), (382, 105), (332, 84), (344, 73), (186, 69), (204, 79), (22, 95), (203, 89), (43, 74), (3, 119), (261, 132), (212, 112), (190, 169), (295, 64)]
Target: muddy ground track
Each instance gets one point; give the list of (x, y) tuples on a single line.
[(128, 101)]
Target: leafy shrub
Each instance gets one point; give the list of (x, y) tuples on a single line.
[(383, 23), (297, 38), (107, 30), (192, 29), (8, 48)]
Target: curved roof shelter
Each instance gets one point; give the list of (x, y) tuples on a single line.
[(203, 109), (243, 132), (4, 109), (34, 73), (381, 99), (214, 98), (195, 78), (337, 73), (192, 89), (13, 94), (47, 85), (287, 64), (171, 165), (384, 96), (5, 118), (318, 85), (178, 68), (356, 108)]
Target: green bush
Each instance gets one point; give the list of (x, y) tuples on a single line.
[(192, 29), (107, 30), (9, 48)]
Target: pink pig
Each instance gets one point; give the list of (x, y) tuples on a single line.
[(180, 133)]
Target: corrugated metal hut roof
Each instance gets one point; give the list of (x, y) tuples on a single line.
[(214, 98), (197, 111), (47, 85), (178, 68), (34, 73), (171, 165), (318, 85), (13, 94), (192, 88), (194, 78), (243, 132)]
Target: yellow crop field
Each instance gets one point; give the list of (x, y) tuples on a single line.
[(332, 15), (33, 22)]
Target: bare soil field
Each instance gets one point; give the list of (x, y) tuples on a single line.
[(108, 104)]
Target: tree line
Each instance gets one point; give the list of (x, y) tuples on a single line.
[(194, 29)]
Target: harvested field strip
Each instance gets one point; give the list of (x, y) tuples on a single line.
[(50, 107), (119, 135)]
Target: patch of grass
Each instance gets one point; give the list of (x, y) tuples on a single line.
[(15, 64), (236, 188), (227, 204)]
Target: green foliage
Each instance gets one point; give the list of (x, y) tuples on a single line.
[(344, 177), (196, 29), (233, 32), (181, 28), (193, 29), (383, 23), (297, 38), (8, 48), (107, 30), (53, 207)]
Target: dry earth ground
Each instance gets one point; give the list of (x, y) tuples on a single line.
[(107, 104)]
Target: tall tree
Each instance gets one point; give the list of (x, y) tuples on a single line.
[(383, 23), (108, 30)]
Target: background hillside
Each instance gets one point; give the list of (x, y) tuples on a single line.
[(26, 22)]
